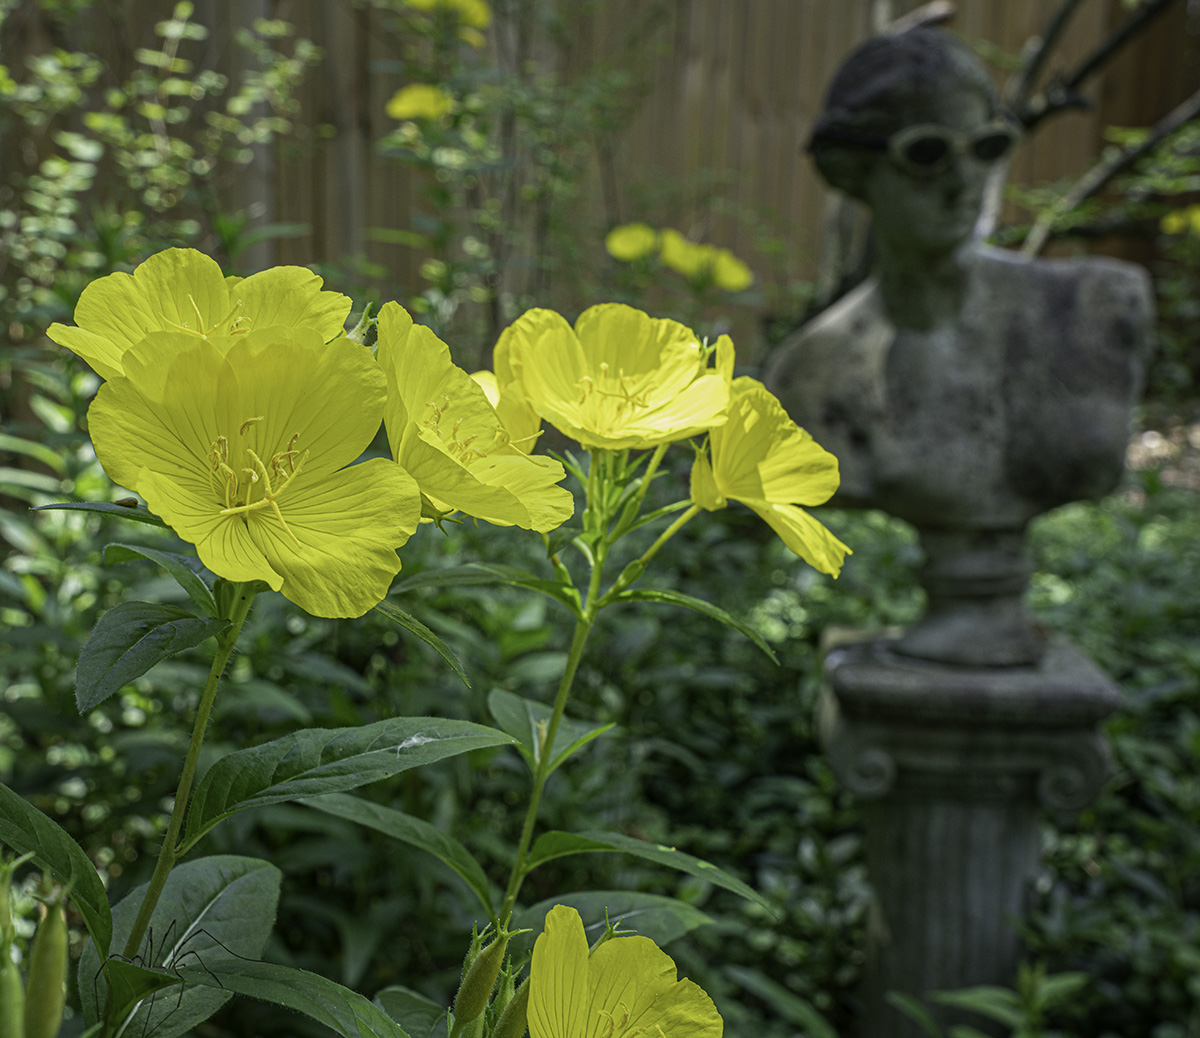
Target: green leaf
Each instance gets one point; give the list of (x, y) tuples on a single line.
[(526, 718), (700, 606), (26, 830), (212, 910), (662, 919), (132, 984), (414, 626), (787, 1004), (996, 1003), (138, 513), (1059, 987), (557, 844), (181, 567), (915, 1010), (327, 760), (38, 451), (128, 640), (345, 1011), (416, 833), (476, 573), (411, 1010)]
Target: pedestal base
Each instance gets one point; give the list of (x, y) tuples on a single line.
[(956, 763)]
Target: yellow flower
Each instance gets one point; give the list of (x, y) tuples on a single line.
[(1180, 220), (619, 379), (631, 241), (522, 423), (183, 290), (626, 988), (687, 257), (765, 460), (420, 101), (241, 445), (474, 13), (730, 273), (443, 430)]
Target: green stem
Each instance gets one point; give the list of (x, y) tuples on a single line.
[(167, 857), (668, 533)]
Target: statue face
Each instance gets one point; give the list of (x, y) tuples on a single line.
[(932, 209)]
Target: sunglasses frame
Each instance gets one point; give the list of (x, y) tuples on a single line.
[(896, 145)]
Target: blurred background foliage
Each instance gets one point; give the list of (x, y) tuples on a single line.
[(715, 752)]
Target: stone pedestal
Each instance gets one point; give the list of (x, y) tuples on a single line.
[(955, 764)]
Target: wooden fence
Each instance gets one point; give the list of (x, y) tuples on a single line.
[(732, 89)]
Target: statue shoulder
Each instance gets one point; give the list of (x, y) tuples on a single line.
[(845, 335)]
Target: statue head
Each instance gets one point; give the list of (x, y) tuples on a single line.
[(912, 127)]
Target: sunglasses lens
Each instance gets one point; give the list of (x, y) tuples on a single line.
[(991, 146), (927, 152)]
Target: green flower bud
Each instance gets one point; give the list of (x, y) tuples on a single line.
[(478, 982), (12, 999), (512, 1021), (48, 974)]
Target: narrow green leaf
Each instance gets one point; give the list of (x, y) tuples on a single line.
[(26, 830), (915, 1010), (138, 513), (787, 1004), (181, 567), (415, 832), (38, 451), (557, 844), (345, 1011), (327, 760), (700, 606), (662, 919), (525, 719), (414, 1012), (476, 573), (995, 1003), (128, 640), (414, 626), (211, 910)]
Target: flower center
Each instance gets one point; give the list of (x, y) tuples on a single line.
[(258, 485), (616, 1025), (227, 324), (467, 450), (620, 388)]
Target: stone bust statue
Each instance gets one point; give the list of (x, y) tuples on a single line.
[(964, 388)]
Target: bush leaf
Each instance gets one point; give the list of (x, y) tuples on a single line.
[(128, 640), (26, 830), (524, 719), (181, 567), (411, 1010), (416, 832), (316, 761), (211, 910), (138, 513), (557, 844), (414, 626), (345, 1011), (700, 606)]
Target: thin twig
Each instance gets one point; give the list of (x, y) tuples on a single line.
[(1018, 90), (1101, 173)]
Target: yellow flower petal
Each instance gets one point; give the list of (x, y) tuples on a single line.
[(626, 988), (420, 101), (182, 290), (730, 273), (443, 431), (763, 459), (620, 379), (689, 258), (239, 444)]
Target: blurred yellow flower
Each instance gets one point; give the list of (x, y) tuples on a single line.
[(626, 987), (687, 257), (730, 273), (619, 379), (1180, 220), (184, 290), (765, 460), (244, 446), (631, 241), (443, 430), (420, 101), (474, 13)]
